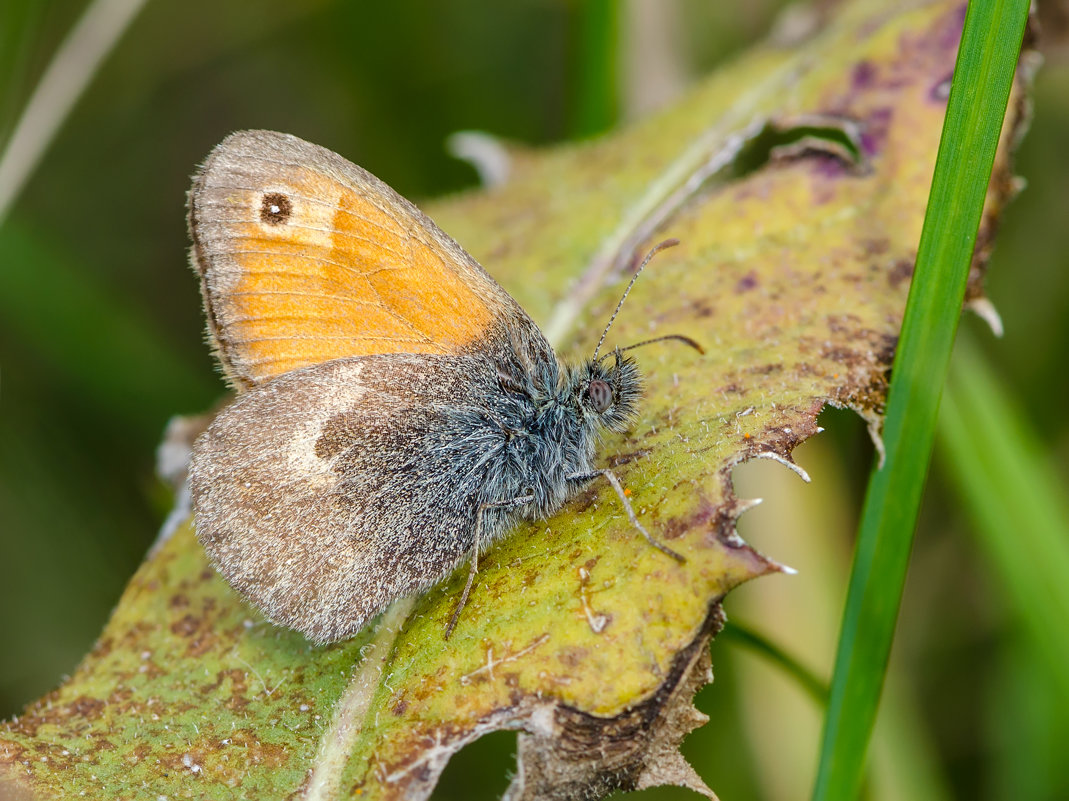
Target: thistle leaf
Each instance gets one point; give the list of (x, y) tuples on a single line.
[(796, 182)]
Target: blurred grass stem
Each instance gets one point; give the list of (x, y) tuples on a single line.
[(70, 71), (1014, 497)]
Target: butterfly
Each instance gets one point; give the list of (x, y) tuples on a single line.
[(397, 411)]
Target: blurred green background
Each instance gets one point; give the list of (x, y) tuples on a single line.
[(101, 342)]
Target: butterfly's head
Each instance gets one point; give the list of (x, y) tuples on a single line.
[(608, 394), (607, 391)]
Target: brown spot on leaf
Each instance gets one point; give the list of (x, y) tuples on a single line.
[(843, 324), (764, 369), (626, 458), (885, 353), (746, 283), (842, 355), (874, 130), (584, 501), (831, 167), (86, 707), (572, 655), (706, 516), (901, 270), (185, 627), (863, 75), (258, 752), (702, 308), (875, 247)]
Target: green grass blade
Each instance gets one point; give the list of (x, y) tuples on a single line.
[(1016, 502), (982, 79)]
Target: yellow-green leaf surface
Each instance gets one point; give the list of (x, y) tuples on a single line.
[(796, 182)]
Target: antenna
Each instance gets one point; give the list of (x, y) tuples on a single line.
[(668, 243), (643, 343)]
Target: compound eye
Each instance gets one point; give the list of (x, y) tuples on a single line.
[(600, 395)]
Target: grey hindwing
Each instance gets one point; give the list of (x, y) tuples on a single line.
[(326, 493)]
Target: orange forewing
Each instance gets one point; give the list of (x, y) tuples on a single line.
[(307, 258)]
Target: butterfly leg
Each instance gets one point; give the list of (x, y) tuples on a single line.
[(610, 476), (520, 501)]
